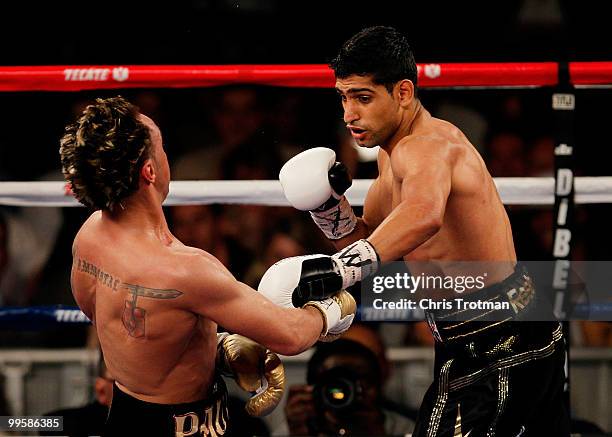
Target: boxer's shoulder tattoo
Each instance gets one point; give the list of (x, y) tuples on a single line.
[(104, 278), (134, 317), (155, 293)]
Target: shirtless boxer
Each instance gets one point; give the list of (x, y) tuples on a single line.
[(433, 200), (156, 302)]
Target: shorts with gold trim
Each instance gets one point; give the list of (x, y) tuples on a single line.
[(508, 384), (517, 297), (129, 416), (500, 377)]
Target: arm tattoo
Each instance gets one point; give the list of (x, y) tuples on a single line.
[(133, 317)]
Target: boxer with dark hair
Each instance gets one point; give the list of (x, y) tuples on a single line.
[(156, 303), (433, 200)]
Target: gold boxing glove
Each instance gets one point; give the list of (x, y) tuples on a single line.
[(338, 312), (255, 369)]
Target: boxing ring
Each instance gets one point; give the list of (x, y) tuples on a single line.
[(564, 191)]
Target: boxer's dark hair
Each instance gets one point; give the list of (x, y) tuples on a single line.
[(379, 51), (103, 151)]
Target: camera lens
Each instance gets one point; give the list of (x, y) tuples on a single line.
[(338, 393)]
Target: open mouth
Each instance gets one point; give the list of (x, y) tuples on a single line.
[(357, 132)]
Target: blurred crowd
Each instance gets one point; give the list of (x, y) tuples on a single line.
[(247, 133)]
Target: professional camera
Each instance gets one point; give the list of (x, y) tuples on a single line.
[(337, 389)]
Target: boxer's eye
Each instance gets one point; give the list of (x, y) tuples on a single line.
[(364, 99)]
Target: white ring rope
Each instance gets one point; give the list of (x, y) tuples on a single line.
[(513, 191)]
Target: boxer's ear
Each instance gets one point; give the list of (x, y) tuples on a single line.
[(147, 172), (405, 90)]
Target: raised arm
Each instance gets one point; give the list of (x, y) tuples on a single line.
[(424, 167)]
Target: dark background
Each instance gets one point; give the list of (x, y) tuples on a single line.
[(276, 31)]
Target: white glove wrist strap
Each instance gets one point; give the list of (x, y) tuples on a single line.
[(337, 221), (330, 311), (356, 261)]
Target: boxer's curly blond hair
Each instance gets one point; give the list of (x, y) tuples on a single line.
[(103, 151)]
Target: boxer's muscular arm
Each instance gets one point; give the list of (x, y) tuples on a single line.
[(424, 166), (214, 293)]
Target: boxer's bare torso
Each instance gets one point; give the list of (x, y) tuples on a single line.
[(156, 303), (475, 225), (132, 286), (434, 199)]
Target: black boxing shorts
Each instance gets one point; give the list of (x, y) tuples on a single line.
[(517, 293), (129, 416), (497, 378)]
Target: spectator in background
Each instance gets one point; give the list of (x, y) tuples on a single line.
[(50, 285), (149, 103), (200, 226), (279, 245), (89, 419), (286, 117), (27, 250), (505, 155), (238, 119), (344, 391), (248, 224), (540, 157), (508, 115)]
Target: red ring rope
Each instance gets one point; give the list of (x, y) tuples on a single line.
[(86, 77)]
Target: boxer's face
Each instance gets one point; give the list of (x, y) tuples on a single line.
[(371, 113)]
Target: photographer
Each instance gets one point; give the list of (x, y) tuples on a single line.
[(344, 395)]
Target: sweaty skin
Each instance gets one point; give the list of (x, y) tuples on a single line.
[(434, 198), (156, 303)]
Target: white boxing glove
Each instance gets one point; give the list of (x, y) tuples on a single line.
[(281, 281), (313, 181), (304, 178), (321, 288)]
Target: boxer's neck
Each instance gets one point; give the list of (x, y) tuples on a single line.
[(406, 126), (141, 212)]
